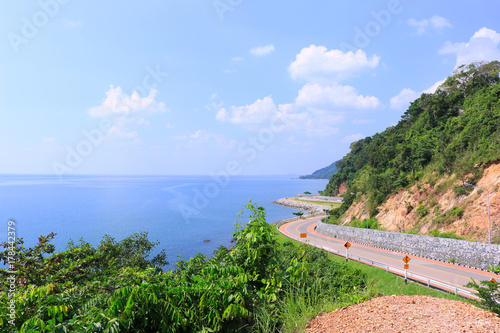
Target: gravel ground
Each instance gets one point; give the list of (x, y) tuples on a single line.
[(407, 314)]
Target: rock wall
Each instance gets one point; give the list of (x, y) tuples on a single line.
[(469, 254), (310, 207)]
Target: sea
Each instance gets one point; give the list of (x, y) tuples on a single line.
[(185, 214)]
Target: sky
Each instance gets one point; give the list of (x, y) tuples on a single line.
[(237, 87)]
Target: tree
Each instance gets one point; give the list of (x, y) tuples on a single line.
[(466, 78), (299, 214)]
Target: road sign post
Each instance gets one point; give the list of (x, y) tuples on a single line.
[(406, 260), (347, 245)]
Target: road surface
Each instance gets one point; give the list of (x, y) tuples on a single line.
[(454, 275)]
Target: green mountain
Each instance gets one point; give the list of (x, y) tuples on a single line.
[(456, 131), (325, 173)]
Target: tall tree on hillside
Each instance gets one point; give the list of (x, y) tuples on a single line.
[(467, 78)]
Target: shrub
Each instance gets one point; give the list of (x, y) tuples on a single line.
[(422, 211), (462, 190)]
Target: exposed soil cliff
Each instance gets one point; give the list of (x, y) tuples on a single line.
[(427, 207)]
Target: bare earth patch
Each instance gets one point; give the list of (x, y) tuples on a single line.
[(407, 314)]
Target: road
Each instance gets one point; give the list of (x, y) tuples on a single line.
[(454, 275)]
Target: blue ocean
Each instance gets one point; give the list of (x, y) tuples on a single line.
[(186, 214)]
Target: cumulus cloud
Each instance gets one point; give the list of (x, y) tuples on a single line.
[(436, 22), (434, 87), (317, 64), (322, 103), (118, 103), (335, 97), (402, 100), (482, 46), (262, 50), (255, 113), (352, 138)]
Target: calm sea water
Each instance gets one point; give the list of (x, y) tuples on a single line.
[(179, 212)]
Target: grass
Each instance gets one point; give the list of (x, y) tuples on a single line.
[(298, 312), (322, 203)]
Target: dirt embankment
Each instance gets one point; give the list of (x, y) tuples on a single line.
[(407, 314), (426, 207)]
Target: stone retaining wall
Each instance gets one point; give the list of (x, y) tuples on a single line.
[(469, 254)]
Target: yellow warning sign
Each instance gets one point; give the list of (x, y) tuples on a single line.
[(407, 266), (406, 259), (347, 245), (303, 235), (493, 280)]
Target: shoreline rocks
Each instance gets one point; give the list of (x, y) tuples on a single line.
[(309, 207)]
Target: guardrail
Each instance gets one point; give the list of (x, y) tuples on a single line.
[(415, 277)]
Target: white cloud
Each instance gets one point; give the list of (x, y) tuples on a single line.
[(258, 112), (317, 64), (118, 103), (169, 126), (436, 22), (352, 138), (321, 104), (121, 133), (402, 100), (237, 59), (213, 104), (335, 97), (482, 46), (262, 50), (434, 87), (264, 112)]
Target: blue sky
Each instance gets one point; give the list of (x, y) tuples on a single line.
[(236, 86)]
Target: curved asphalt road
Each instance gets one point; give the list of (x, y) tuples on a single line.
[(454, 275)]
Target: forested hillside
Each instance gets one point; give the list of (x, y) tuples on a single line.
[(324, 173), (455, 131)]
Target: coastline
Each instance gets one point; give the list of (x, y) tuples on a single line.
[(310, 208)]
